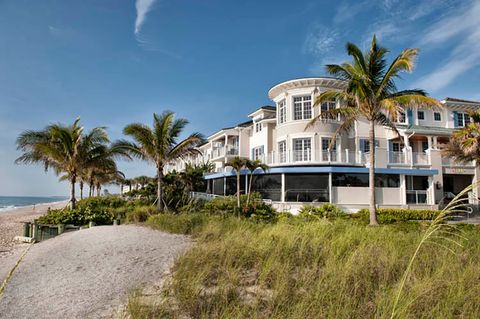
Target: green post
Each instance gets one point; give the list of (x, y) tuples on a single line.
[(35, 231), (91, 224), (61, 228), (26, 229)]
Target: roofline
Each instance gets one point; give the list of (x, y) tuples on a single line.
[(325, 78)]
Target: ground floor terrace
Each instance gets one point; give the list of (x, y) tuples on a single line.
[(291, 187)]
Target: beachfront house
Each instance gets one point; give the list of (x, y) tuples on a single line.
[(411, 171)]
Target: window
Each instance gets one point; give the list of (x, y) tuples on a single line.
[(306, 188), (421, 115), (329, 105), (302, 149), (258, 127), (401, 118), (437, 116), (268, 185), (302, 107), (424, 145), (396, 147), (365, 145), (463, 119), (282, 151), (282, 112), (326, 144), (257, 153), (361, 180)]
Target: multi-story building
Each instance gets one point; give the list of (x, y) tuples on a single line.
[(306, 167)]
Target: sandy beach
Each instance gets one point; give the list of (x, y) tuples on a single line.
[(11, 224)]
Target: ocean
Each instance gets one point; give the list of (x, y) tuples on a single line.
[(11, 202)]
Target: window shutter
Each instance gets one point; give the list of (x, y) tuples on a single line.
[(410, 116), (252, 153), (262, 148), (390, 150), (455, 119), (362, 145)]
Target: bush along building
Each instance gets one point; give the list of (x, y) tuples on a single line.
[(306, 167)]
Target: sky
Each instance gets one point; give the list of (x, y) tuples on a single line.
[(114, 62)]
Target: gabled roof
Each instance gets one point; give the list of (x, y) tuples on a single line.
[(452, 99)]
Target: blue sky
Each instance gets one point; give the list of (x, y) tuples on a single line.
[(113, 62)]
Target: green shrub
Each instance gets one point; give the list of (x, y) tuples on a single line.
[(101, 202), (140, 214), (391, 215), (78, 216), (187, 224), (310, 212)]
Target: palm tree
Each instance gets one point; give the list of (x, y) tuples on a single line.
[(62, 148), (252, 166), (464, 145), (160, 144), (237, 163), (371, 94)]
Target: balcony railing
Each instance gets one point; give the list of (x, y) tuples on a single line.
[(229, 150), (450, 162), (307, 156)]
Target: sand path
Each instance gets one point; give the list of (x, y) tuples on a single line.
[(88, 273)]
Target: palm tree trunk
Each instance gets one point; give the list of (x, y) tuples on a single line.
[(72, 191), (371, 175), (238, 189), (98, 190), (81, 190), (159, 188), (249, 190)]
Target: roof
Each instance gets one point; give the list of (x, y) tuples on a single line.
[(329, 82), (452, 99), (427, 130), (268, 107)]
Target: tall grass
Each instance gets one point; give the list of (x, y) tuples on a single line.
[(321, 269)]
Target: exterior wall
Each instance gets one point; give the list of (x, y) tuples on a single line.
[(357, 196)]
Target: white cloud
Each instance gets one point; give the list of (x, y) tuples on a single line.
[(466, 54), (320, 40), (142, 7)]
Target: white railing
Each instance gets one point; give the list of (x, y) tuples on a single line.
[(417, 197), (397, 158), (229, 150), (322, 156), (447, 161), (420, 158)]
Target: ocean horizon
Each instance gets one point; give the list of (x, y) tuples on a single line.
[(12, 202)]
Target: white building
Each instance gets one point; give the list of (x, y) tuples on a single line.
[(411, 171)]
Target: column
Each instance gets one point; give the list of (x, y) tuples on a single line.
[(435, 142), (431, 191), (224, 186), (403, 190), (330, 197), (282, 196)]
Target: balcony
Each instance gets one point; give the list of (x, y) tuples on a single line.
[(318, 157), (449, 162), (408, 158), (225, 151)]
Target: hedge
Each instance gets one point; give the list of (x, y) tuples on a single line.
[(389, 215)]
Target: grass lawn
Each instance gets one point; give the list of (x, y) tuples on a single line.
[(320, 269)]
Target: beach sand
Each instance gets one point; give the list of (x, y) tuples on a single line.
[(11, 224)]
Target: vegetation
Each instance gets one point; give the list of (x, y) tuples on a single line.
[(335, 268), (464, 145), (237, 164), (100, 210), (310, 212), (68, 150), (371, 94), (252, 166), (159, 144), (390, 215)]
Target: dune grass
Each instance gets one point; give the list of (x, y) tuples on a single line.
[(339, 269)]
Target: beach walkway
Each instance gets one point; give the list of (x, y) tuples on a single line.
[(87, 273)]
